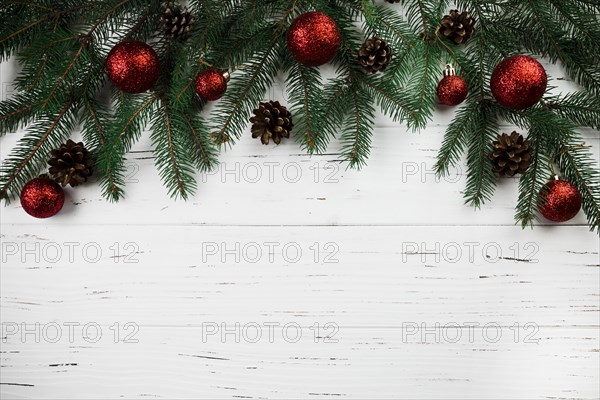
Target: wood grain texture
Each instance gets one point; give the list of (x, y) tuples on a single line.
[(290, 277)]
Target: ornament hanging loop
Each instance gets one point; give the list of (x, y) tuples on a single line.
[(552, 161), (449, 70)]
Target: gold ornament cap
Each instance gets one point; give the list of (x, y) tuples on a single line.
[(449, 70)]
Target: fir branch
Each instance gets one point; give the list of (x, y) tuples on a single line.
[(16, 113), (390, 25), (581, 22), (581, 108), (171, 153), (357, 128), (64, 75), (25, 160), (16, 33), (123, 131), (394, 103), (424, 60), (245, 92), (579, 168), (334, 109), (455, 138), (563, 145), (544, 30), (481, 180), (545, 131), (202, 149), (532, 181), (31, 4), (304, 88), (93, 120)]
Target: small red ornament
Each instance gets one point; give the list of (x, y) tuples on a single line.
[(452, 89), (211, 84), (133, 66), (563, 201), (518, 82), (42, 197), (313, 38)]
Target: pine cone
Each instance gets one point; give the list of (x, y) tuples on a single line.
[(511, 154), (71, 164), (457, 26), (176, 21), (271, 121), (375, 55)]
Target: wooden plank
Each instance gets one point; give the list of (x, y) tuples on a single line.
[(365, 276), (402, 312), (260, 185), (175, 362)]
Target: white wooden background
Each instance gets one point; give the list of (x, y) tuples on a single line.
[(287, 276)]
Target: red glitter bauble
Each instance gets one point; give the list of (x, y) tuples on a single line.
[(211, 85), (313, 38), (563, 201), (452, 90), (42, 197), (133, 66), (518, 82)]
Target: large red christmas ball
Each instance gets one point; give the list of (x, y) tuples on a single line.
[(42, 197), (518, 82), (563, 201), (452, 90), (313, 38), (211, 85), (133, 66)]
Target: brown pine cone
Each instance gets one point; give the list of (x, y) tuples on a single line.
[(176, 21), (511, 155), (271, 120), (71, 164), (457, 26), (375, 55)]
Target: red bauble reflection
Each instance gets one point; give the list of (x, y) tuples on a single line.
[(211, 85), (133, 66), (518, 82), (452, 90), (42, 197), (313, 38), (563, 201)]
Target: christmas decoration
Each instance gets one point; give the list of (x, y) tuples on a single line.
[(133, 66), (271, 120), (71, 164), (210, 84), (518, 82), (511, 155), (313, 38), (61, 50), (452, 89), (375, 55), (457, 27), (562, 201), (42, 197), (176, 21)]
